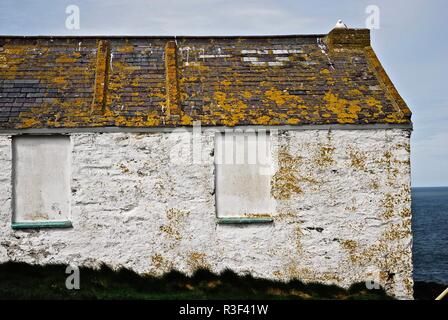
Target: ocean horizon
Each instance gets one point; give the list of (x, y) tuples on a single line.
[(430, 234)]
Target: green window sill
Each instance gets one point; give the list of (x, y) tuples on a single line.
[(249, 220), (41, 224)]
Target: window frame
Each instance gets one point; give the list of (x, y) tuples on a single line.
[(236, 220)]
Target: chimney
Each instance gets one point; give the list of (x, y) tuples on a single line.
[(348, 38)]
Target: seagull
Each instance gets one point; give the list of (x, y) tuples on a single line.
[(340, 25)]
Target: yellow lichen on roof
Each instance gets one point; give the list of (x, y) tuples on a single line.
[(345, 111), (281, 97), (71, 82)]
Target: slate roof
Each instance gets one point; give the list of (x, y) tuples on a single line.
[(70, 82)]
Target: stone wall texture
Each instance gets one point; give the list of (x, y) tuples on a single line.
[(343, 209)]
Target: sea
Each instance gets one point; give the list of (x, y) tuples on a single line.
[(430, 231)]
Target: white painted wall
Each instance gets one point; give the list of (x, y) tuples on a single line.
[(342, 209), (41, 177)]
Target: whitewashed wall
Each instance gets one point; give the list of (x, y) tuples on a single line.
[(342, 209)]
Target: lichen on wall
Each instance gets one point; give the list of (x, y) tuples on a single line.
[(342, 209)]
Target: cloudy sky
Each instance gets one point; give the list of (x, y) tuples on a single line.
[(411, 43)]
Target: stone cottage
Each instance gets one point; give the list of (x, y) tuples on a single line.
[(138, 152)]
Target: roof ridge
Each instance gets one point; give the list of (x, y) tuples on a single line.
[(385, 80), (255, 36)]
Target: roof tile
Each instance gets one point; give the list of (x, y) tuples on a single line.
[(294, 80)]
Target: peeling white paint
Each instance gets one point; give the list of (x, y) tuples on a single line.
[(250, 59), (282, 58), (275, 63), (323, 48), (209, 56), (261, 52), (283, 51), (248, 51), (111, 61), (193, 63), (255, 62)]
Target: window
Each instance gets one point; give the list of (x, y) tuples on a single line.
[(243, 177), (41, 181)]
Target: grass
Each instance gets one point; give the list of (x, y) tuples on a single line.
[(25, 281)]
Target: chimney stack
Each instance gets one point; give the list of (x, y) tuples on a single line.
[(348, 38)]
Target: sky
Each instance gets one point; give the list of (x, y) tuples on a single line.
[(411, 42)]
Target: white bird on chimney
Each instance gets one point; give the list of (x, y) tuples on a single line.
[(340, 25)]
